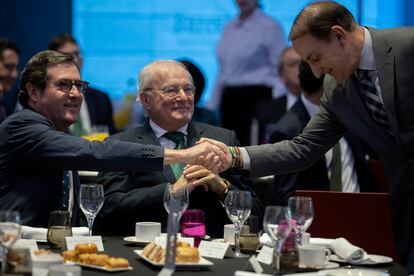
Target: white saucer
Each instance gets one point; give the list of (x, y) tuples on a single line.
[(353, 272), (133, 239), (328, 265)]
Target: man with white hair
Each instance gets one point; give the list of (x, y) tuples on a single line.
[(166, 92)]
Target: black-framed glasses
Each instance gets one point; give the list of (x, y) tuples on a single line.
[(173, 91), (65, 85)]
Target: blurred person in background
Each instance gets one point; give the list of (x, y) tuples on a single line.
[(96, 111), (267, 113), (10, 57), (201, 114), (3, 76), (247, 52)]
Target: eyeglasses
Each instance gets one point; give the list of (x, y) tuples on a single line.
[(65, 85), (173, 91)]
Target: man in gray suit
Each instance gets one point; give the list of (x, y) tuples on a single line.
[(368, 92), (36, 154), (166, 93)]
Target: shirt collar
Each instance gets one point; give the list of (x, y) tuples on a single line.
[(159, 131), (310, 106), (367, 61)]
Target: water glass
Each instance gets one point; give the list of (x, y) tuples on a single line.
[(59, 227), (10, 231), (176, 201), (277, 224), (301, 208), (91, 199), (192, 225), (250, 235), (238, 207)]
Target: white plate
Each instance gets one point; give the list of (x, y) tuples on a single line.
[(135, 240), (377, 259), (328, 265), (353, 272), (202, 262), (102, 267)]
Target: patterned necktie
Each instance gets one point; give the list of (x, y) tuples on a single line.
[(336, 169), (178, 138), (65, 191), (373, 102)]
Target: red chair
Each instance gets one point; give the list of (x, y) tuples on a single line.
[(378, 171), (361, 218)]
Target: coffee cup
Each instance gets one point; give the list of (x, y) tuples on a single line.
[(229, 233), (313, 256), (305, 238), (147, 230)]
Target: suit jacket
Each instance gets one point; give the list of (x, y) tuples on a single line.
[(33, 155), (132, 196), (343, 109), (99, 108), (269, 112), (316, 176)]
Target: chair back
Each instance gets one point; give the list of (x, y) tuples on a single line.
[(362, 218)]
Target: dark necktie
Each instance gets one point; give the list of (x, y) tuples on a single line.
[(376, 108), (336, 169), (178, 138), (65, 191)]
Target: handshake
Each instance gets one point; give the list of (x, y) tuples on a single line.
[(211, 154)]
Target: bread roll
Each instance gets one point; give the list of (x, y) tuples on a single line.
[(86, 248), (187, 255)]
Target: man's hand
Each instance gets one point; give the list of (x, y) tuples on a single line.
[(199, 176), (225, 157)]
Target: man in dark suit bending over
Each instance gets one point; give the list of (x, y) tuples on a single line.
[(166, 93), (368, 91), (38, 160)]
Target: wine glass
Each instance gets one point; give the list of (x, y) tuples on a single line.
[(277, 224), (301, 208), (192, 225), (176, 201), (10, 231), (91, 199), (238, 208)]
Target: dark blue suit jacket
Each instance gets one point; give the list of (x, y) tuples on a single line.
[(316, 176), (138, 196), (33, 155)]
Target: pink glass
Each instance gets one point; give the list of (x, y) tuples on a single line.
[(192, 225)]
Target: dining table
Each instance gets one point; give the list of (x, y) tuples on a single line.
[(118, 247)]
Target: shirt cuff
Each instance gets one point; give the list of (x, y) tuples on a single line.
[(246, 159)]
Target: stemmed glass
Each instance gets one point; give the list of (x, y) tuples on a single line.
[(277, 224), (176, 201), (91, 199), (10, 231), (301, 208), (238, 208)]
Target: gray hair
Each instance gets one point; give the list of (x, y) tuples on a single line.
[(147, 73)]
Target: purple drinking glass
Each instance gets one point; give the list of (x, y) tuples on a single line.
[(192, 225)]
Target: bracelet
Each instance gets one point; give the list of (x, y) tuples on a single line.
[(224, 194), (237, 159)]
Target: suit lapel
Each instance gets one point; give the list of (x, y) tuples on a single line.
[(194, 134), (145, 135), (384, 60)]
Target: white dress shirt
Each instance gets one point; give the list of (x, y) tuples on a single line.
[(248, 51)]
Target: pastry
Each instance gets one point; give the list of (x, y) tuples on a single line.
[(116, 263), (86, 248), (187, 255)]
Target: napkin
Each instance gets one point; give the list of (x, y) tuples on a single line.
[(38, 233), (266, 240), (349, 252)]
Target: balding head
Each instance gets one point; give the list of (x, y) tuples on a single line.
[(318, 18)]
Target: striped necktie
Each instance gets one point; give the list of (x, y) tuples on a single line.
[(336, 169), (373, 102), (178, 138)]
